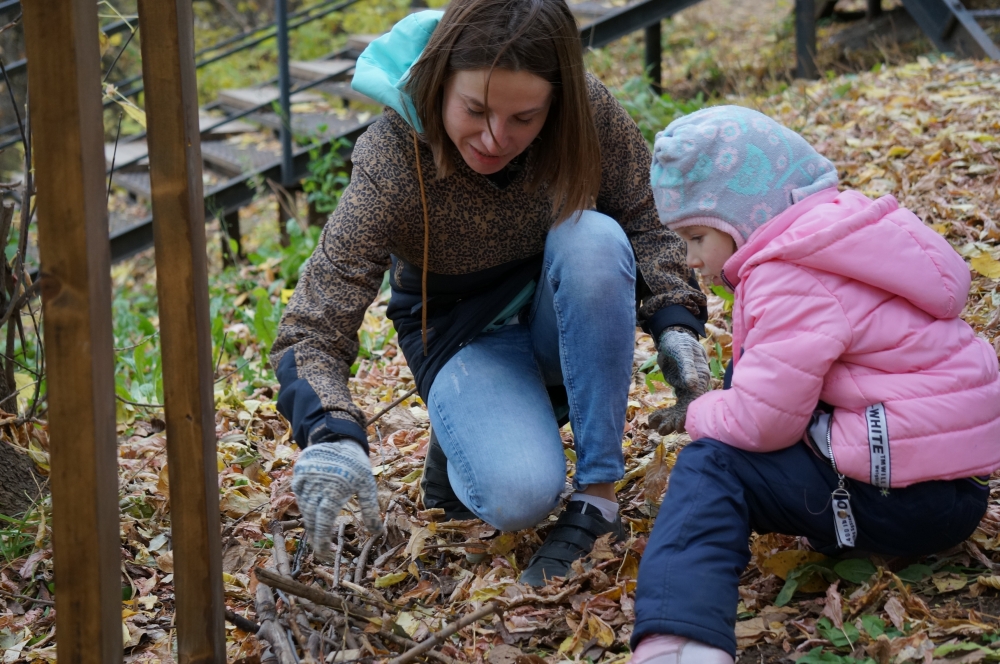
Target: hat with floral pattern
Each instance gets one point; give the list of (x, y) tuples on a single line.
[(733, 169)]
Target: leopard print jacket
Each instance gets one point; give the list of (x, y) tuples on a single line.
[(474, 225)]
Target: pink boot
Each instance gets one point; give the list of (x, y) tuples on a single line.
[(669, 649)]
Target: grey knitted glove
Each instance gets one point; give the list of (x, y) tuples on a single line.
[(685, 367), (325, 477)]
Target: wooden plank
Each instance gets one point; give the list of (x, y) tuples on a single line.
[(245, 98), (314, 70), (179, 237), (64, 85)]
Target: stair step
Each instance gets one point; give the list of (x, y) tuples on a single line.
[(134, 182), (234, 159), (309, 124), (127, 152), (359, 43), (589, 10), (228, 129), (245, 98), (315, 70), (343, 90)]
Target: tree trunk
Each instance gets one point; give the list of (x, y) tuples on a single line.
[(19, 482)]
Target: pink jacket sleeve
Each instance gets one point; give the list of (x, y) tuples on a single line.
[(794, 330)]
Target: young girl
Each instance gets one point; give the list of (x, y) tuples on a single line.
[(506, 192), (863, 412)]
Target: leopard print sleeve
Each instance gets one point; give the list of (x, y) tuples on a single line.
[(317, 339), (626, 196)]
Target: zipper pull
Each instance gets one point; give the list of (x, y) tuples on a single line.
[(843, 517)]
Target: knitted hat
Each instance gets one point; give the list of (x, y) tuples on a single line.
[(733, 169)]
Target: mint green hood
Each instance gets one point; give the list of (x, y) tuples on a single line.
[(384, 66)]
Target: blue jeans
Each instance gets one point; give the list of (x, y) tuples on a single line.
[(690, 571), (489, 406)]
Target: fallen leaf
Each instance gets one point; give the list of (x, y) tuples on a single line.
[(986, 265)]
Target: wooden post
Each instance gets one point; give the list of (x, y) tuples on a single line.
[(175, 168), (64, 76), (654, 56), (805, 39)]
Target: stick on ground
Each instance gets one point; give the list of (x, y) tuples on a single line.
[(439, 637)]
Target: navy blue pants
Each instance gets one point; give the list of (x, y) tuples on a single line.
[(689, 576)]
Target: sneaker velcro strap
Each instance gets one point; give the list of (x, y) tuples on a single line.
[(568, 536), (588, 522)]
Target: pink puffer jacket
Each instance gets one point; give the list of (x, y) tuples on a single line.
[(855, 303)]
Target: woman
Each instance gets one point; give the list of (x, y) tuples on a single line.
[(508, 195)]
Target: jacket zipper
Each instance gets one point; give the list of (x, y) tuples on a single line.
[(829, 445), (722, 275)]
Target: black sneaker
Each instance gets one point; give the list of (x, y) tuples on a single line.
[(435, 487), (571, 538)]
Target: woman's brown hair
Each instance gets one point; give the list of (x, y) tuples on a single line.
[(537, 36)]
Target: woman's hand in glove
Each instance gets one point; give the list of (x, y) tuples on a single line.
[(325, 477), (685, 367)]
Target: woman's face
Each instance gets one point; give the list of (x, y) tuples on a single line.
[(518, 105)]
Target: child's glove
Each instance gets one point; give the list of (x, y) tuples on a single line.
[(685, 367), (326, 475)]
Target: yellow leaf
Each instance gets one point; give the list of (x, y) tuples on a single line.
[(104, 40), (418, 538), (240, 501), (936, 157), (783, 562), (989, 581), (986, 265), (503, 544), (568, 643), (949, 583), (407, 622), (286, 294), (899, 151), (940, 228), (390, 579), (133, 111), (600, 630), (39, 456)]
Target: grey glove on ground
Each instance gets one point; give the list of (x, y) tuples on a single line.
[(325, 477), (685, 367)]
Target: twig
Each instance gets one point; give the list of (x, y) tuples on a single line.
[(134, 346), (340, 552), (407, 643), (222, 378), (245, 624), (19, 301), (310, 593), (278, 550), (270, 630), (222, 349), (17, 114), (111, 175), (388, 554), (359, 572), (112, 67), (17, 19), (44, 602), (375, 418), (368, 595), (450, 629), (140, 405), (280, 555)]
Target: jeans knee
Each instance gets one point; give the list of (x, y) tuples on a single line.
[(591, 250), (522, 508)]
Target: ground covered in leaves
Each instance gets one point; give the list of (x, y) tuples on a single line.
[(925, 132)]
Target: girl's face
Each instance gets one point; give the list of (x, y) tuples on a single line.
[(708, 249), (518, 105)]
